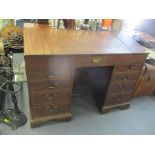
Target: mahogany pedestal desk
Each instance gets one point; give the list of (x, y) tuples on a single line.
[(63, 63)]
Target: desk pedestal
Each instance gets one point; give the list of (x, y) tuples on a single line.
[(52, 80)]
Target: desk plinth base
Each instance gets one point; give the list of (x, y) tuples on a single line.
[(106, 109), (41, 121), (67, 116)]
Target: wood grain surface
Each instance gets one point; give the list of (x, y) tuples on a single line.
[(43, 40)]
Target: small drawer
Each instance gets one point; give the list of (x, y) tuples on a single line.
[(128, 68), (46, 62), (121, 87), (42, 98), (117, 98), (48, 75), (49, 110), (51, 84), (124, 77)]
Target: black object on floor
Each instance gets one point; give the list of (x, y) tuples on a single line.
[(12, 117), (2, 77), (2, 98), (150, 61)]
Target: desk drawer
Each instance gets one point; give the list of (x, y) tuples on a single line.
[(124, 77), (108, 60), (121, 87), (43, 98), (48, 75), (61, 83), (128, 68), (49, 110), (92, 60), (42, 62), (117, 98)]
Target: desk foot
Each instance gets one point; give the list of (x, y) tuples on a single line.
[(66, 119), (106, 109), (41, 121), (124, 107)]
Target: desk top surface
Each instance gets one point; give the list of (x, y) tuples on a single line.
[(43, 40)]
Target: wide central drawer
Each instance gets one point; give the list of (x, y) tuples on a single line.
[(49, 97), (51, 84), (109, 60)]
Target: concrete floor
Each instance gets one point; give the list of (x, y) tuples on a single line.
[(138, 119)]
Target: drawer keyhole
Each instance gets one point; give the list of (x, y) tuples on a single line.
[(97, 60), (50, 97)]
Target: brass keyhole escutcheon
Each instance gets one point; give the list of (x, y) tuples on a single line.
[(97, 60)]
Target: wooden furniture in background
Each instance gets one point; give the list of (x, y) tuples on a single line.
[(62, 63), (42, 21), (146, 83)]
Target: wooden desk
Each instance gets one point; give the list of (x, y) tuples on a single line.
[(57, 59)]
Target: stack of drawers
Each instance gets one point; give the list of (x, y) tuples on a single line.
[(122, 84), (49, 87)]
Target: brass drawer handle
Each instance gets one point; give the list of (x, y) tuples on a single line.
[(128, 68), (50, 98), (52, 83), (118, 98), (122, 87), (49, 75), (49, 109), (51, 87), (55, 106), (52, 108), (125, 77), (97, 60)]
